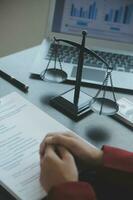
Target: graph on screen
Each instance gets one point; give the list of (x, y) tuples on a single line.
[(121, 15), (87, 13), (104, 18)]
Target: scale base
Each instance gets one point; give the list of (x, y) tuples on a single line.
[(64, 103)]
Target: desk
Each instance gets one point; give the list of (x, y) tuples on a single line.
[(98, 130)]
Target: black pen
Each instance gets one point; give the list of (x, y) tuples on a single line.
[(14, 81)]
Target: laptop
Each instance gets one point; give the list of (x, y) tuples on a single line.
[(109, 26)]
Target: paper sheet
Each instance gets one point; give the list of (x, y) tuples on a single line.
[(22, 128)]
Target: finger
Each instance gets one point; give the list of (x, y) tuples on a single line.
[(49, 135), (42, 145), (50, 153), (61, 140), (42, 148), (51, 157), (66, 133), (65, 154)]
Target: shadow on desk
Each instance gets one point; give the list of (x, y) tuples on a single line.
[(98, 134)]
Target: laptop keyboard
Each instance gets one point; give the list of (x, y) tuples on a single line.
[(69, 54)]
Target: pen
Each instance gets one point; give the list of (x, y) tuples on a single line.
[(14, 81)]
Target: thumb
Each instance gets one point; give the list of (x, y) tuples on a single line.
[(65, 154)]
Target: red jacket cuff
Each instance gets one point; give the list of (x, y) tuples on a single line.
[(70, 190), (115, 158)]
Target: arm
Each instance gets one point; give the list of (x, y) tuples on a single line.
[(115, 178), (109, 158), (117, 166), (118, 159), (116, 173), (113, 166)]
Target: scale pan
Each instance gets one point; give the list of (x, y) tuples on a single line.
[(55, 75), (109, 107)]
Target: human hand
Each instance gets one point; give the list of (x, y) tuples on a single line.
[(85, 152), (57, 168)]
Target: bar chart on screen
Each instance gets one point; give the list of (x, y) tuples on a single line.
[(90, 12), (98, 17), (119, 14)]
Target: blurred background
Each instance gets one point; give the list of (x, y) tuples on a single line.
[(22, 24)]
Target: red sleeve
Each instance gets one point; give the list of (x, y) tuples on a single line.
[(72, 191), (117, 159), (117, 166)]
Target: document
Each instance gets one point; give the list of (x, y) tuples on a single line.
[(22, 128)]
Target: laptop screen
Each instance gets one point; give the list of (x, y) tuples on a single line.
[(102, 19)]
